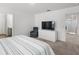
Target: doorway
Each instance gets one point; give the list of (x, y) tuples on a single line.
[(72, 27), (6, 24)]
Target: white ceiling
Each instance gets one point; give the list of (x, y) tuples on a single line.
[(37, 7)]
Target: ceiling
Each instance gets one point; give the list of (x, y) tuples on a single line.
[(37, 7)]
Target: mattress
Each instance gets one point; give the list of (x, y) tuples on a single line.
[(23, 45)]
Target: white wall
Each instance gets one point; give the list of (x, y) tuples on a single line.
[(2, 24), (59, 17), (22, 22)]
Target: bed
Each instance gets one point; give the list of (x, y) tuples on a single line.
[(23, 45)]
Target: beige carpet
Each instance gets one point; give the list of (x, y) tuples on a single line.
[(3, 36), (72, 38), (63, 48)]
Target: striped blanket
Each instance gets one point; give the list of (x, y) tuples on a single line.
[(23, 45)]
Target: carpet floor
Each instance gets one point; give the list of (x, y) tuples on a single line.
[(63, 48)]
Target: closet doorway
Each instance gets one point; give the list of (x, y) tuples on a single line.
[(6, 25), (72, 27)]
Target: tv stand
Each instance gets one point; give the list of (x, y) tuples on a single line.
[(47, 35)]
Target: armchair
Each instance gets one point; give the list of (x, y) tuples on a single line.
[(34, 33)]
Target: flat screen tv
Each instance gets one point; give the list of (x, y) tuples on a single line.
[(47, 25)]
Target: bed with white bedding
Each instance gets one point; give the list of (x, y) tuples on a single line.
[(22, 45)]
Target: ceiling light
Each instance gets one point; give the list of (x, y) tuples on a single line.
[(32, 3)]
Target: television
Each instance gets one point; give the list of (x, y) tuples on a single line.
[(48, 25)]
